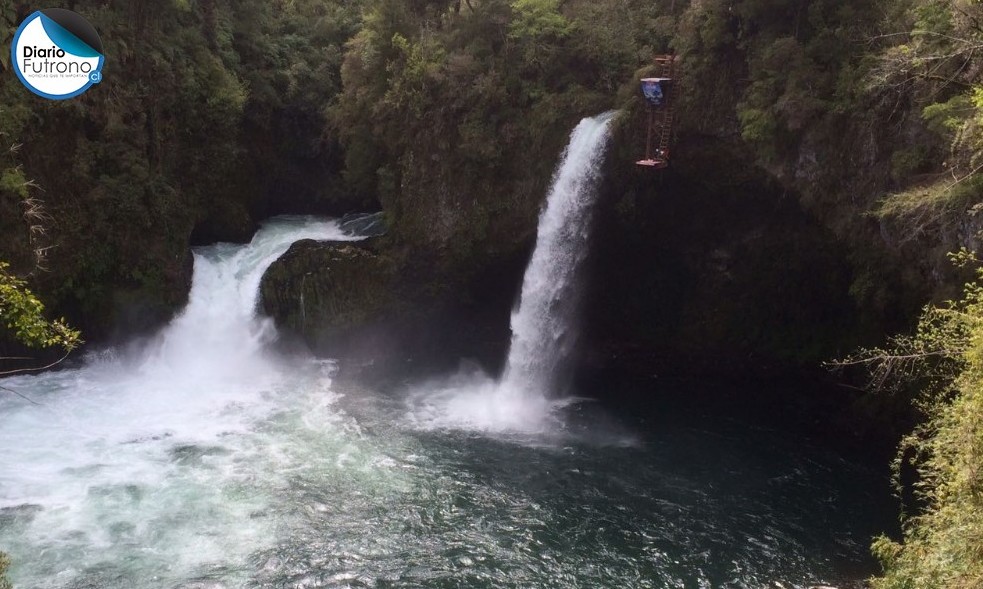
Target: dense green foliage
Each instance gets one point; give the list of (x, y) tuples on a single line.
[(23, 314), (450, 113), (795, 63), (210, 118), (935, 64), (943, 362), (845, 140), (445, 103)]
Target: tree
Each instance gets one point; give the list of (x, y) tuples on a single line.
[(942, 545), (936, 65), (22, 314)]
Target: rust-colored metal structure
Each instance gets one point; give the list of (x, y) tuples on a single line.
[(660, 94)]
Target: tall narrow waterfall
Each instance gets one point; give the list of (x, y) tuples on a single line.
[(544, 326)]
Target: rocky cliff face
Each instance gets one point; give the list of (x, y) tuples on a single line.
[(716, 263), (717, 260), (324, 291), (756, 246)]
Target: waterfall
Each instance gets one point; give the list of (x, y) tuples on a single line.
[(544, 325), (219, 338), (150, 463)]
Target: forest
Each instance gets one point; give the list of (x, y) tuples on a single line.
[(820, 216)]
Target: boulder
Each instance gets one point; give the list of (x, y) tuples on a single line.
[(324, 292)]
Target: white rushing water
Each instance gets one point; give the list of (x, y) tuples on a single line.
[(176, 462), (544, 325), (149, 458)]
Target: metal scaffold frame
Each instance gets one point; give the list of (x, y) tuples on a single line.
[(660, 96)]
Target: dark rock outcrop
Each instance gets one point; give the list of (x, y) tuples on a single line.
[(324, 291), (370, 304)]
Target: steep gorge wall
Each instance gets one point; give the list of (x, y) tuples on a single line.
[(454, 117), (756, 246)]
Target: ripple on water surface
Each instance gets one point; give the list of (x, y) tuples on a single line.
[(298, 486)]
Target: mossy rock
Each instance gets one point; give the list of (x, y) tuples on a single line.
[(325, 292)]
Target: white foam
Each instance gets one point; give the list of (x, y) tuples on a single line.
[(472, 400), (152, 458)]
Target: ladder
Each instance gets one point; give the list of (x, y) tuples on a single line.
[(661, 117), (666, 66)]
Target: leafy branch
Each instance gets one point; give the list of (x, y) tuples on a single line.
[(23, 314), (929, 360)]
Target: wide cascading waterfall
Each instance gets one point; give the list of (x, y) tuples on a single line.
[(544, 327), (218, 338), (151, 454)]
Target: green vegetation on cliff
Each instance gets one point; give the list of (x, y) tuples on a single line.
[(454, 112), (942, 362), (209, 119), (834, 145), (935, 65), (23, 314)]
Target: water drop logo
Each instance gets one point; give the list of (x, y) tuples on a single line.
[(57, 54)]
